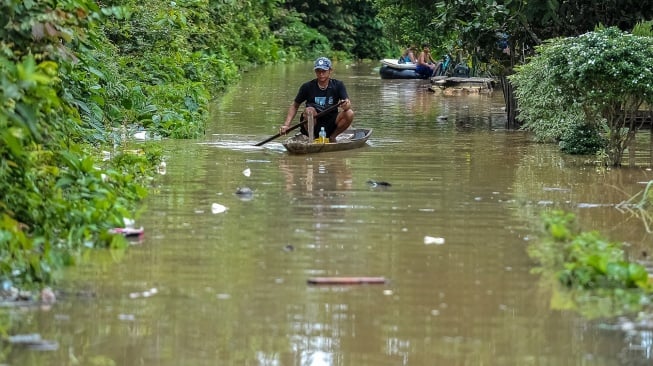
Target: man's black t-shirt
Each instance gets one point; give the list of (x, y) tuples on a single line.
[(320, 99)]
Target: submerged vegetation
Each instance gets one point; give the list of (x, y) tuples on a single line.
[(641, 205), (588, 272)]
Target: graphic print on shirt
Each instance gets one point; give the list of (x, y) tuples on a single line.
[(322, 102)]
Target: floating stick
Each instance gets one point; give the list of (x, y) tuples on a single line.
[(346, 280)]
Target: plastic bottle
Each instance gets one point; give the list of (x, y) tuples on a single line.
[(323, 138)]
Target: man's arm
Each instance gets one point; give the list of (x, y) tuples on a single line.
[(292, 112)]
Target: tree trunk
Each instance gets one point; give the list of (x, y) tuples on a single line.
[(511, 104)]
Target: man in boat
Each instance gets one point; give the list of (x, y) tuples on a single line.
[(320, 94)]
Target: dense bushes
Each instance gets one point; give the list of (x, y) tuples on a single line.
[(597, 79), (351, 27), (55, 199)]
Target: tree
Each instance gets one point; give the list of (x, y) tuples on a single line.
[(599, 79), (351, 26), (549, 19)]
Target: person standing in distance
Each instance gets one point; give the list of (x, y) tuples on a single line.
[(320, 94)]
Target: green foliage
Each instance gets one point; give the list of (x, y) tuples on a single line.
[(593, 262), (149, 82), (549, 19), (298, 38), (184, 110), (54, 198), (240, 29), (643, 29), (351, 27), (408, 23), (598, 79), (582, 140), (369, 41), (543, 105), (588, 265)]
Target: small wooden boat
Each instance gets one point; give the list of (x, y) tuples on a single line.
[(350, 139)]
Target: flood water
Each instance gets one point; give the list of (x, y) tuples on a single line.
[(206, 287)]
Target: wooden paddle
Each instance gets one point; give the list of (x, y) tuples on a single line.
[(300, 123)]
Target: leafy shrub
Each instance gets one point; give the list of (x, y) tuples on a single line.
[(585, 260), (301, 39), (582, 140), (597, 79)]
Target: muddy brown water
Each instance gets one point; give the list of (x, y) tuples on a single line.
[(230, 288)]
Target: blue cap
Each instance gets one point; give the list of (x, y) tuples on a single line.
[(322, 63)]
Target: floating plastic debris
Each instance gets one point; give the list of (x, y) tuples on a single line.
[(247, 172), (33, 342), (428, 240), (555, 189), (128, 231), (245, 193), (151, 292), (593, 205), (140, 135), (162, 168), (147, 293), (217, 208), (373, 183)]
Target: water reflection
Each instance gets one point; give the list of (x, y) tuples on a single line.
[(412, 97), (315, 176)]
